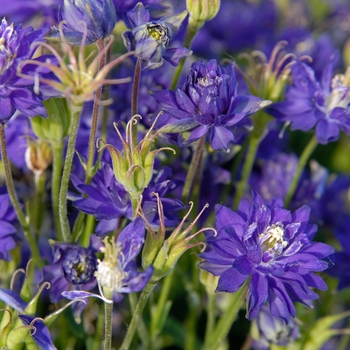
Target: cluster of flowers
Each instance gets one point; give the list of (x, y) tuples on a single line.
[(95, 206)]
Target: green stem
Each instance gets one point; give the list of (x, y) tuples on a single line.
[(95, 114), (14, 200), (108, 326), (310, 147), (137, 314), (210, 317), (40, 183), (194, 166), (62, 201), (99, 329), (253, 146), (225, 322), (190, 34), (163, 297), (141, 327), (57, 151)]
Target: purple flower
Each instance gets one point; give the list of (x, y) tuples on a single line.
[(310, 103), (108, 201), (272, 249), (98, 15), (150, 39), (268, 330), (21, 11), (341, 259), (17, 93), (117, 273), (72, 266), (41, 334), (7, 228), (208, 104)]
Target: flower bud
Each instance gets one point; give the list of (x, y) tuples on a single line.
[(201, 11), (99, 15), (38, 156), (134, 167), (163, 253)]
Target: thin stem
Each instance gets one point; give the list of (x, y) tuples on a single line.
[(95, 114), (62, 202), (193, 169), (108, 326), (163, 297), (57, 151), (310, 147), (253, 146), (99, 329), (190, 34), (141, 328), (137, 314), (135, 97), (135, 88), (223, 326), (14, 200), (210, 316)]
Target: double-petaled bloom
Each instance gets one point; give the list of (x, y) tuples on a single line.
[(17, 93), (311, 103), (150, 39), (208, 104), (271, 248)]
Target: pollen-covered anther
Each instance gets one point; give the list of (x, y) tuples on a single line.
[(110, 273), (273, 238)]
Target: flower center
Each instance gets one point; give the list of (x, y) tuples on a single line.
[(110, 273), (158, 32), (272, 240), (340, 94)]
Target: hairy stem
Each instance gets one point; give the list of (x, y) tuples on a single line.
[(137, 314), (95, 115), (62, 202), (57, 152), (15, 202), (108, 326)]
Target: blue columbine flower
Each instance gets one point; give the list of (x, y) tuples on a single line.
[(99, 17), (108, 201), (310, 103), (7, 229), (73, 267), (117, 273), (272, 247), (17, 93), (208, 104), (150, 39)]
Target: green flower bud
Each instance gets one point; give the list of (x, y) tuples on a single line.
[(134, 167), (164, 254), (201, 11)]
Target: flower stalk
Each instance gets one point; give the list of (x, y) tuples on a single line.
[(310, 147), (14, 199), (224, 324), (62, 206)]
